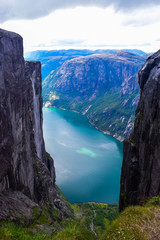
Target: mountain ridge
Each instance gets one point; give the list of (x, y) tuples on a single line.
[(97, 86), (52, 59)]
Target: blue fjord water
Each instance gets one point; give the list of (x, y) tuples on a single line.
[(87, 162)]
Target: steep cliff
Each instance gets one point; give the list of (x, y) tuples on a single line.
[(140, 177), (27, 175), (103, 87)]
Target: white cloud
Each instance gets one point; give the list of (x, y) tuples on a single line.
[(89, 28), (29, 9), (143, 17)]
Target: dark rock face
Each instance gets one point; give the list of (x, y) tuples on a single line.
[(140, 175), (25, 170)]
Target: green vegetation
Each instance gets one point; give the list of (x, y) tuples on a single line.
[(136, 222), (64, 197), (104, 89), (98, 215), (79, 228), (12, 231), (92, 221), (74, 231), (48, 155), (155, 201), (71, 231), (108, 111)]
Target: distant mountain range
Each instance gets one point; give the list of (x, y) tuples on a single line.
[(101, 84), (51, 60)]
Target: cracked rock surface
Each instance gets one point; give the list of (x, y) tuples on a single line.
[(27, 174), (140, 176)]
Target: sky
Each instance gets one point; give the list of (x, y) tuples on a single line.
[(81, 24)]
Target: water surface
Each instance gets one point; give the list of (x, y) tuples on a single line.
[(87, 162)]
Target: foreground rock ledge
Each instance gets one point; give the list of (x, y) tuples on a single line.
[(140, 177), (27, 174)]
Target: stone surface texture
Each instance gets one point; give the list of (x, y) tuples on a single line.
[(140, 176), (27, 175)]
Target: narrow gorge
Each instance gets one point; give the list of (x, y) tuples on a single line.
[(31, 205)]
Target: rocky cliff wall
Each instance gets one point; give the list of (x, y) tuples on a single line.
[(27, 175), (140, 177)]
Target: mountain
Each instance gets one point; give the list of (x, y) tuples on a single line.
[(103, 87), (51, 60), (31, 206), (140, 176), (27, 174)]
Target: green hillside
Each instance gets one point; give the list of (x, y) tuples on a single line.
[(93, 221), (102, 87)]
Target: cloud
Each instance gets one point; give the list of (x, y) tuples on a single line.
[(29, 9), (143, 18), (67, 42), (91, 28), (60, 42), (125, 45)]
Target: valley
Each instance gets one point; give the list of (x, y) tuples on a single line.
[(32, 206), (102, 85)]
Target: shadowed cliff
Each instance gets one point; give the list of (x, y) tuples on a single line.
[(140, 177), (27, 175)]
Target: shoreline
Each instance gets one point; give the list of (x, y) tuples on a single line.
[(120, 139), (96, 202)]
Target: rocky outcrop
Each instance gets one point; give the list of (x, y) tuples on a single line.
[(140, 177), (27, 175), (103, 87)]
